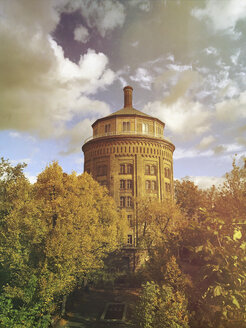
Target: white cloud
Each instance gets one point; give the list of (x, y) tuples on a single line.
[(181, 153), (81, 34), (14, 134), (211, 51), (184, 118), (223, 14), (232, 110), (41, 90), (144, 5), (205, 182), (235, 57), (103, 15), (135, 44), (143, 77), (206, 142), (179, 68), (31, 178)]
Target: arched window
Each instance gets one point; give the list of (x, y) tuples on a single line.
[(153, 185), (147, 185), (147, 169), (152, 170), (129, 168)]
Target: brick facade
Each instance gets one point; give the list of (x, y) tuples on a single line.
[(129, 155)]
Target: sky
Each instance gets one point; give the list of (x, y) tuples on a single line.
[(64, 63)]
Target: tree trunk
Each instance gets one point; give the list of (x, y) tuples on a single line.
[(64, 301)]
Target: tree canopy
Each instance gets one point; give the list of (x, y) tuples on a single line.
[(53, 234)]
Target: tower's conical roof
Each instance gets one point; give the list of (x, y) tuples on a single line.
[(128, 109)]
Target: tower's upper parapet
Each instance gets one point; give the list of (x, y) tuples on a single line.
[(128, 121)]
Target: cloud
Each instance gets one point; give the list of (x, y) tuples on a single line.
[(235, 57), (42, 91), (223, 15), (144, 5), (81, 34), (143, 77), (206, 142), (220, 149), (103, 15), (232, 110), (183, 118), (211, 51), (79, 133), (179, 81), (181, 153), (205, 182), (31, 178)]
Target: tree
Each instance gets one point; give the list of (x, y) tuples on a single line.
[(189, 197), (58, 231), (217, 247), (161, 307), (157, 221)]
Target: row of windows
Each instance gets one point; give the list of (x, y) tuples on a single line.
[(150, 169), (137, 149), (126, 184), (126, 126), (126, 201), (126, 168), (150, 185)]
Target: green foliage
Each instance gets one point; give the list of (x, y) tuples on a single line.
[(189, 197), (161, 307), (158, 222), (53, 234)]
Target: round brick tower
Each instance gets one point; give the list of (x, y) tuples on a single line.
[(130, 156)]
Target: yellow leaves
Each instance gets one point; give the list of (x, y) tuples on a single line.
[(237, 234)]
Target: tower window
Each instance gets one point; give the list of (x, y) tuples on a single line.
[(147, 169), (129, 218), (126, 126), (168, 187), (129, 184), (122, 184), (129, 201), (153, 185), (122, 168), (126, 168), (122, 202), (107, 128), (129, 239), (145, 128), (147, 185), (129, 168), (167, 173), (152, 169)]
